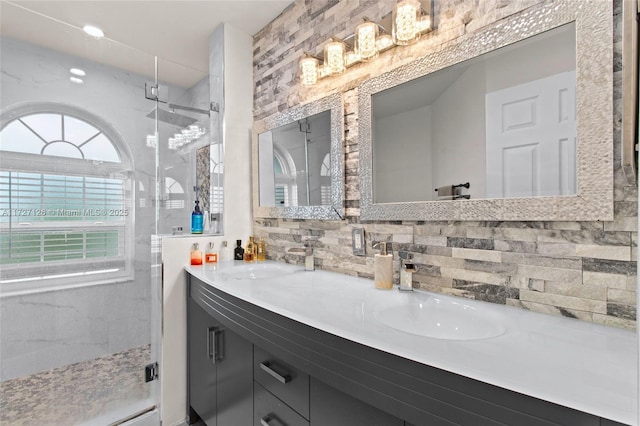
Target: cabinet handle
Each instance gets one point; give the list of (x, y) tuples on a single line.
[(265, 420), (214, 352), (211, 331), (282, 378)]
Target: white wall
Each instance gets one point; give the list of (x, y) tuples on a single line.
[(403, 171), (265, 170), (231, 72), (458, 133), (238, 123)]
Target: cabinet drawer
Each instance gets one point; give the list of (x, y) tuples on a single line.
[(270, 411), (284, 381)]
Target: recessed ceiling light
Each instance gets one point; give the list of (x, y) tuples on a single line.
[(93, 31), (76, 80), (78, 72)]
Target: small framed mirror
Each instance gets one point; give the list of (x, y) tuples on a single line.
[(298, 162), (501, 125)]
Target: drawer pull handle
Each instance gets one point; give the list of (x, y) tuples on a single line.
[(265, 421), (282, 378), (271, 420)]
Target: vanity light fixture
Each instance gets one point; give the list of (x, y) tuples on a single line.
[(408, 20), (93, 31), (334, 56), (309, 70), (365, 40), (406, 15), (185, 136)]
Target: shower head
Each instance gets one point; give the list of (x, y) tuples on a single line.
[(173, 118)]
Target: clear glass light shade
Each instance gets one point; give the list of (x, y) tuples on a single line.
[(334, 57), (309, 71), (406, 14), (365, 44)]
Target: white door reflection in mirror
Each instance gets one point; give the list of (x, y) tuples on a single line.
[(504, 121), (531, 138)]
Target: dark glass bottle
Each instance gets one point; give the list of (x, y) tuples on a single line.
[(238, 253)]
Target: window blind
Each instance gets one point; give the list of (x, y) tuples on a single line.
[(57, 223)]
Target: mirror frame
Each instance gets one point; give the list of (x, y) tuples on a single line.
[(335, 211), (594, 146)]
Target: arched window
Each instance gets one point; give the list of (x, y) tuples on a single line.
[(65, 199), (175, 194)]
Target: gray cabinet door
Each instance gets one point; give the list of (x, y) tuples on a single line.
[(330, 406), (202, 369), (235, 380)]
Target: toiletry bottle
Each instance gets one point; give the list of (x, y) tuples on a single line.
[(238, 253), (196, 254), (249, 251), (211, 256), (226, 254), (262, 250), (196, 219), (383, 267)]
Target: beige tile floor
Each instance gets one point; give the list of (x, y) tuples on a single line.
[(78, 393)]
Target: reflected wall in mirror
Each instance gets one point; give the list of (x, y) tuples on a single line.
[(504, 122), (295, 163), (522, 116), (298, 162)]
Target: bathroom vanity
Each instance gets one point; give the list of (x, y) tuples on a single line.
[(279, 345)]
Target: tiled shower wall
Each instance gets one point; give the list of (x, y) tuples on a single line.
[(585, 270)]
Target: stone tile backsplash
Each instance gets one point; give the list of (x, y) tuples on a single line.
[(583, 270)]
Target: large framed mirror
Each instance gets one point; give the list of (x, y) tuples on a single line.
[(298, 162), (502, 125)]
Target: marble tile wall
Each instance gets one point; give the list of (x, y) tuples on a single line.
[(583, 270)]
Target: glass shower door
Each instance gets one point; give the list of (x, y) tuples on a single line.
[(79, 310)]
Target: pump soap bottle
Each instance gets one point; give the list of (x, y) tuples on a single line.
[(197, 219), (383, 267)]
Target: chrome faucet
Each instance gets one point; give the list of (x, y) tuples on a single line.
[(309, 260), (407, 268)]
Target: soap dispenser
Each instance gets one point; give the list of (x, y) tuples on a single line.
[(383, 267), (197, 219)]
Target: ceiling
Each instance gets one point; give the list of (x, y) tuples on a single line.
[(177, 31)]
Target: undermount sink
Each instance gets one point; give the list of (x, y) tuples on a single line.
[(443, 319), (259, 271)]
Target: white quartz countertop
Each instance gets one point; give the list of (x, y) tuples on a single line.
[(584, 366)]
